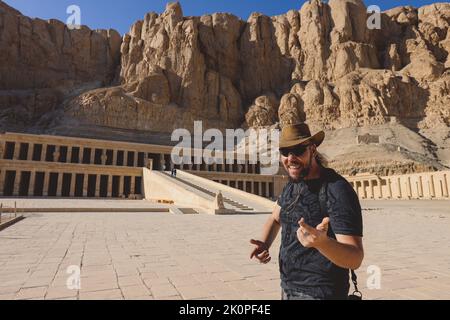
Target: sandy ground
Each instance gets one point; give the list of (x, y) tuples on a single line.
[(166, 256)]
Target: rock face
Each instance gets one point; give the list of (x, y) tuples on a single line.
[(263, 112), (42, 61), (321, 64), (214, 67)]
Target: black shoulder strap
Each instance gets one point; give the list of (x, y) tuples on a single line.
[(323, 208), (323, 198)]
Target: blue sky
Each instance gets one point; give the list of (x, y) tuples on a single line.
[(120, 14)]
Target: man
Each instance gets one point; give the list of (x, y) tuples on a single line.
[(320, 218)]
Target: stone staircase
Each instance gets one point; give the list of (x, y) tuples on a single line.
[(239, 206)]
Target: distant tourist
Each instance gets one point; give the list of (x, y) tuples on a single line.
[(319, 215)]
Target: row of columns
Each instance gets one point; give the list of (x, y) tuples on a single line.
[(242, 168), (164, 159), (57, 153), (401, 188), (252, 188), (59, 184)]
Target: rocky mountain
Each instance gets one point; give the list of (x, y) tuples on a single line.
[(43, 62), (321, 64)]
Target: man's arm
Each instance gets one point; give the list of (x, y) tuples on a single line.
[(346, 251), (270, 232), (272, 226)]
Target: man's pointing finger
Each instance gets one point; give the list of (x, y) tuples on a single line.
[(324, 224), (305, 226)]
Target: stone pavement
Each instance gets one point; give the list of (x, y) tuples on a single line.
[(78, 203), (166, 256)]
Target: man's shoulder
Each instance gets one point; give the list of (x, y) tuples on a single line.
[(332, 177), (337, 183)]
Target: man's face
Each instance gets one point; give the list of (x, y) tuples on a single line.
[(297, 161)]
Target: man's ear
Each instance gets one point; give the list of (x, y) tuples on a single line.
[(313, 149)]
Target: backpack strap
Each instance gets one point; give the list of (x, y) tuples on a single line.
[(323, 208)]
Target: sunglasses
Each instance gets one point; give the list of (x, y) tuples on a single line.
[(296, 151)]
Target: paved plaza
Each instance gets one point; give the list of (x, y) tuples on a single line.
[(168, 256)]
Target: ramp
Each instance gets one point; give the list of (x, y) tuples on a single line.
[(188, 190)]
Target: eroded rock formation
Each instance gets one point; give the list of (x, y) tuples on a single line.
[(41, 62), (320, 63)]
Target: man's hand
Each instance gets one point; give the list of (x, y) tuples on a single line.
[(311, 237), (261, 251)]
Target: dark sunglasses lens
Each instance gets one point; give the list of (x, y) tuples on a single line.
[(298, 151)]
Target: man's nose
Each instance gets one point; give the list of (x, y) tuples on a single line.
[(291, 157)]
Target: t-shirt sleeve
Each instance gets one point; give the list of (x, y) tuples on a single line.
[(345, 209)]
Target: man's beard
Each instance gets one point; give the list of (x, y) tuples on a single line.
[(303, 174)]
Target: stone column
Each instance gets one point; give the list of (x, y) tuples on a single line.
[(17, 183), (146, 159), (69, 154), (16, 151), (56, 154), (363, 184), (135, 158), (399, 186), (92, 158), (408, 185), (371, 191), (132, 185), (43, 153), (260, 188), (73, 179), (246, 167), (445, 186), (114, 157), (267, 189), (97, 185), (2, 180), (149, 164), (110, 180), (80, 155), (85, 185), (389, 188), (30, 152), (120, 186), (59, 184), (432, 189), (2, 148), (46, 180), (253, 187), (420, 187), (104, 157), (162, 162), (380, 189), (31, 185), (215, 167)]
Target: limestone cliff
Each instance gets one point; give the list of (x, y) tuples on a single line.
[(320, 64), (41, 62)]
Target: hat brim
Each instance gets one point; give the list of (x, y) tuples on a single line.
[(317, 139)]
